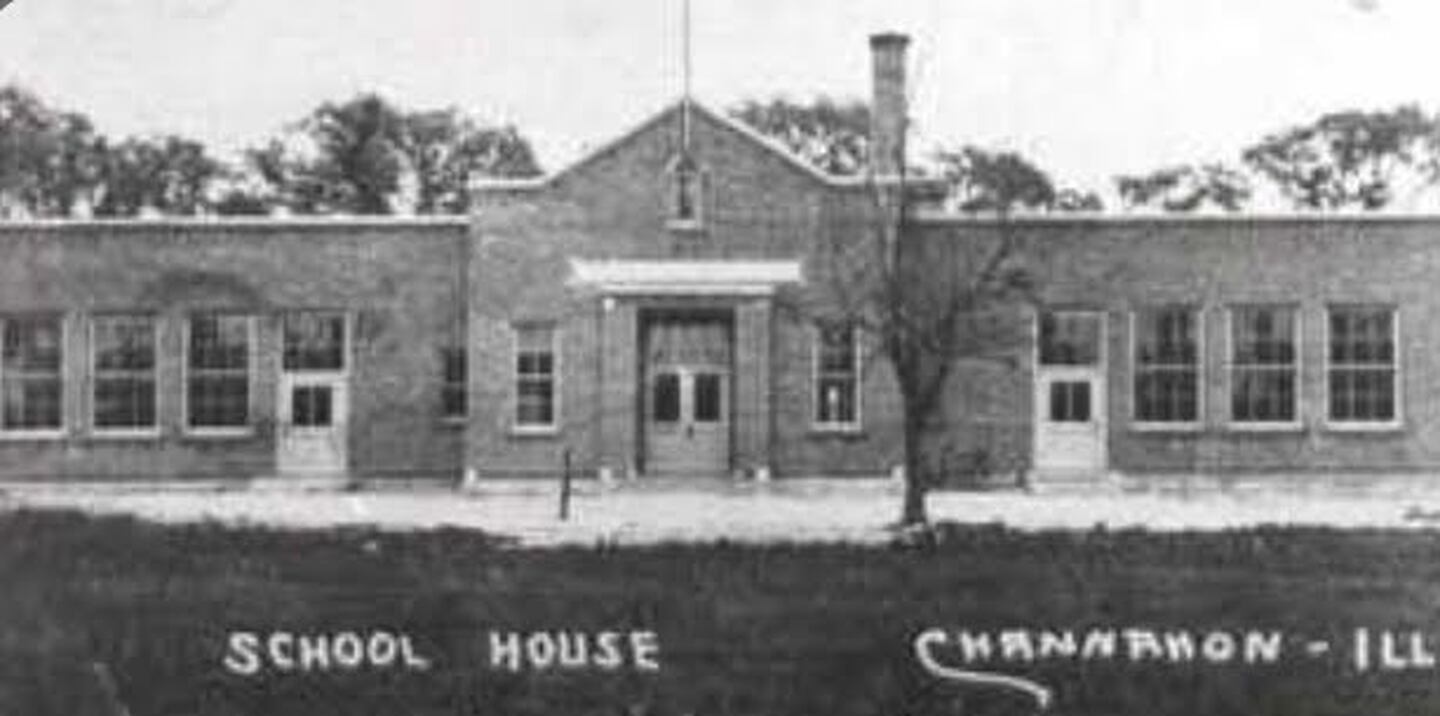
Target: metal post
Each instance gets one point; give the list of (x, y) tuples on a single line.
[(565, 489)]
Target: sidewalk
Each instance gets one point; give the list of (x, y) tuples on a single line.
[(807, 510)]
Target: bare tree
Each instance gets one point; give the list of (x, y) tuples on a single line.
[(931, 302)]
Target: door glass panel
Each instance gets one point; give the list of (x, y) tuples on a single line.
[(1069, 339), (707, 398), (665, 404), (1070, 402), (310, 406)]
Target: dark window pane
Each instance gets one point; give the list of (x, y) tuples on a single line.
[(708, 398), (124, 403), (535, 375), (535, 403), (1070, 402), (837, 401), (32, 403), (1263, 335), (837, 380), (1263, 395), (310, 406), (452, 382), (1163, 396), (219, 342), (218, 401), (32, 344), (124, 344), (314, 341), (535, 363), (1362, 395), (1166, 336), (666, 399), (1069, 339)]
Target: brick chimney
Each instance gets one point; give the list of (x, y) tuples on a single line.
[(888, 110)]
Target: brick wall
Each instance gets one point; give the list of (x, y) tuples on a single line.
[(400, 281), (1118, 265)]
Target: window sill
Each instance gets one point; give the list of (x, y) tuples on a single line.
[(453, 421), (32, 435), (537, 431), (1265, 427), (125, 434), (218, 433), (692, 226), (1364, 428), (1153, 427), (837, 430)]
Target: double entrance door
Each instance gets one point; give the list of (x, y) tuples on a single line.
[(687, 386)]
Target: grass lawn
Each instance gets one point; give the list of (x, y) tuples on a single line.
[(99, 612)]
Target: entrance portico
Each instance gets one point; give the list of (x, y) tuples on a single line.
[(685, 364)]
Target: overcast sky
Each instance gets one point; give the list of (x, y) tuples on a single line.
[(1089, 88)]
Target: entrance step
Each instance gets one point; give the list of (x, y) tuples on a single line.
[(1071, 482), (303, 482)]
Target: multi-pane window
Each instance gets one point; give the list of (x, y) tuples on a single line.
[(31, 385), (837, 376), (1070, 401), (1363, 364), (1264, 364), (452, 385), (1070, 338), (314, 340), (535, 376), (1167, 365), (217, 371), (124, 379)]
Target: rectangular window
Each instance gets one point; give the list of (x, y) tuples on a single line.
[(535, 376), (1070, 338), (217, 371), (124, 373), (30, 373), (314, 341), (452, 387), (1070, 401), (1363, 365), (310, 406), (665, 398), (687, 198), (1264, 365), (1167, 365), (837, 377), (708, 398)]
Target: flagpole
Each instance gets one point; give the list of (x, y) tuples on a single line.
[(685, 70)]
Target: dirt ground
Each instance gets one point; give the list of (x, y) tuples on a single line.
[(803, 511)]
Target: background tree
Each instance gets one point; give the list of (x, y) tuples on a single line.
[(236, 201), (445, 150), (983, 181), (1186, 188), (832, 135), (367, 156), (167, 175), (342, 158), (1351, 159), (51, 161)]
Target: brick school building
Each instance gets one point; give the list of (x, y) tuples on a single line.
[(634, 310)]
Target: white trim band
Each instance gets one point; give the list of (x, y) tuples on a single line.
[(699, 278)]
